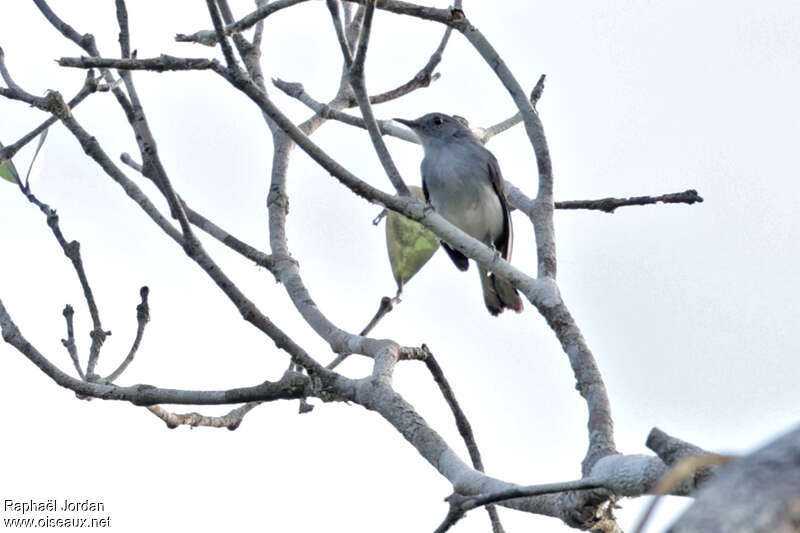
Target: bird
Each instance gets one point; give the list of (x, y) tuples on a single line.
[(461, 179)]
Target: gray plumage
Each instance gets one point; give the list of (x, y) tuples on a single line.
[(462, 181)]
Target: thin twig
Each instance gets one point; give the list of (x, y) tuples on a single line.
[(423, 78), (86, 42), (334, 8), (512, 121), (142, 318), (69, 342), (463, 425), (259, 33), (4, 72), (152, 166), (385, 306), (124, 31), (357, 82), (89, 86), (197, 219), (608, 205), (291, 386), (210, 38), (72, 251), (460, 504), (386, 127)]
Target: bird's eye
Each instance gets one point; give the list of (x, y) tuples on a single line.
[(437, 120)]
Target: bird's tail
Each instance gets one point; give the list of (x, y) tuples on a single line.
[(498, 293)]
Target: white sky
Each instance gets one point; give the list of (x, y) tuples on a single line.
[(690, 310)]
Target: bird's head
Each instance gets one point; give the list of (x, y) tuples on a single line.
[(436, 128)]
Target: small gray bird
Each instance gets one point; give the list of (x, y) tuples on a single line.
[(462, 181)]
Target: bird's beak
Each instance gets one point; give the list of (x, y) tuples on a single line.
[(413, 124)]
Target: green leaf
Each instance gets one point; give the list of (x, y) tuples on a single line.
[(410, 245), (8, 170), (42, 137)]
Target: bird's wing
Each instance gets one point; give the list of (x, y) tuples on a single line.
[(460, 260), (504, 242)]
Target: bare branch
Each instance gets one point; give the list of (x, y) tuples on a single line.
[(423, 78), (69, 342), (124, 31), (4, 72), (235, 244), (72, 251), (356, 77), (386, 127), (231, 421), (142, 318), (463, 425), (260, 14), (89, 86), (259, 33), (290, 386), (161, 63), (245, 306), (609, 205), (512, 121), (460, 504), (227, 51), (338, 26), (86, 42)]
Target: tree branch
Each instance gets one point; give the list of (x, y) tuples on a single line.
[(142, 318), (161, 63), (219, 29), (86, 42), (4, 72), (242, 248), (609, 205), (231, 420), (210, 38), (464, 428), (69, 342), (89, 86), (72, 251), (357, 82)]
